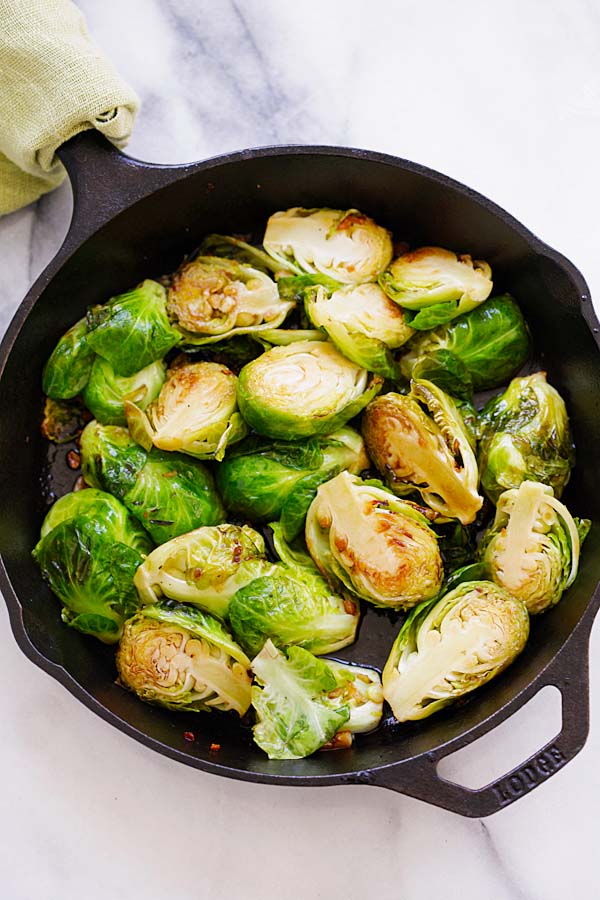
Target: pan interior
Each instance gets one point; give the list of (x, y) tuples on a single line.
[(149, 239)]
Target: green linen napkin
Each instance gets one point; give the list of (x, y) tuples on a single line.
[(54, 83)]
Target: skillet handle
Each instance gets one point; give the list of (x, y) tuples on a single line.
[(419, 777), (106, 181)]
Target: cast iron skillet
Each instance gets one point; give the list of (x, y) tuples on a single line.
[(132, 220)]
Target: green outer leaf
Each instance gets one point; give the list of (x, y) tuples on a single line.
[(67, 370), (292, 606), (293, 287), (106, 515), (110, 459), (173, 494), (136, 331), (432, 316), (295, 716), (199, 623), (447, 370), (367, 352), (104, 392), (92, 575)]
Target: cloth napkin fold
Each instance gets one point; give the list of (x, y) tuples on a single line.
[(54, 83)]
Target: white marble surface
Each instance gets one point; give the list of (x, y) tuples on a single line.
[(505, 97)]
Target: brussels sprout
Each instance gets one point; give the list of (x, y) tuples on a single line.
[(176, 656), (211, 299), (173, 494), (228, 247), (106, 514), (346, 246), (525, 436), (262, 480), (132, 330), (92, 575), (303, 389), (196, 412), (295, 715), (204, 567), (532, 547), (66, 373), (293, 605), (360, 689), (110, 459), (363, 323), (436, 285), (481, 349), (168, 493), (63, 420), (419, 442), (295, 287), (448, 647), (105, 391), (379, 547)]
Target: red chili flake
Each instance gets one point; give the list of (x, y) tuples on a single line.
[(169, 474), (197, 573), (189, 736), (73, 459), (214, 748)]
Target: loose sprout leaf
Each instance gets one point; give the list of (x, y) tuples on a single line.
[(68, 368), (135, 330), (234, 248), (294, 287), (294, 715)]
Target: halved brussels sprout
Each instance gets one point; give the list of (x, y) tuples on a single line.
[(489, 344), (295, 715), (92, 575), (132, 330), (204, 567), (436, 285), (176, 656), (105, 513), (303, 389), (379, 547), (419, 443), (361, 691), (168, 493), (347, 246), (173, 494), (532, 547), (66, 373), (195, 412), (451, 646), (293, 605), (211, 299), (363, 323), (105, 391), (263, 480), (110, 459), (525, 436)]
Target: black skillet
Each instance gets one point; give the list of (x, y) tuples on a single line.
[(132, 220)]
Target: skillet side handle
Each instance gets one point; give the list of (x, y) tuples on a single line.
[(106, 181), (419, 777)]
